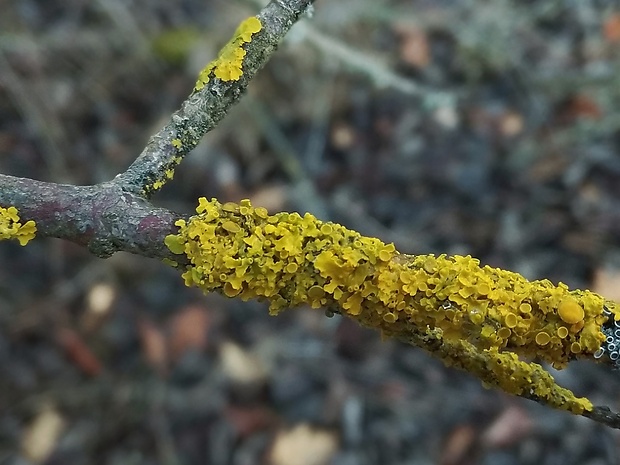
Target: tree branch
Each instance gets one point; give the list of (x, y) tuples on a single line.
[(105, 218), (476, 318), (115, 216), (206, 107)]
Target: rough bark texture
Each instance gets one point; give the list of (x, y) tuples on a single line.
[(105, 218)]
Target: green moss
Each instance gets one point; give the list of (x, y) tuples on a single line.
[(174, 45)]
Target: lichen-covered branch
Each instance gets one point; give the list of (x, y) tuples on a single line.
[(504, 371), (487, 321), (115, 216), (219, 87)]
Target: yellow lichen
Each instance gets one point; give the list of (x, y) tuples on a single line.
[(498, 369), (289, 260), (11, 228), (157, 185), (228, 66), (164, 174), (177, 144), (570, 311)]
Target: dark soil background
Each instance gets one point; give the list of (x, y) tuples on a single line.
[(476, 127)]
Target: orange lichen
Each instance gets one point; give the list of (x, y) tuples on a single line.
[(291, 260), (228, 66), (11, 228)]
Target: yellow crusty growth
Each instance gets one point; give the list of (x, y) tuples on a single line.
[(166, 172), (11, 228), (290, 260), (501, 370), (228, 66)]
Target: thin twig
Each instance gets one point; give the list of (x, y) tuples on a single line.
[(205, 108)]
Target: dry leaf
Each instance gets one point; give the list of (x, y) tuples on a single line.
[(511, 124), (414, 47), (303, 445), (249, 420), (607, 283), (240, 365), (42, 435), (188, 330), (342, 136), (154, 345), (509, 428), (581, 106), (611, 28), (99, 300), (459, 445), (78, 352)]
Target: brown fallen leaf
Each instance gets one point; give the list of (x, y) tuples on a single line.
[(607, 283), (580, 106), (189, 329), (509, 428), (78, 351), (154, 345), (414, 46), (249, 420), (459, 445)]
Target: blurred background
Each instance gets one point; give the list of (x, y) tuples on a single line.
[(475, 127)]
